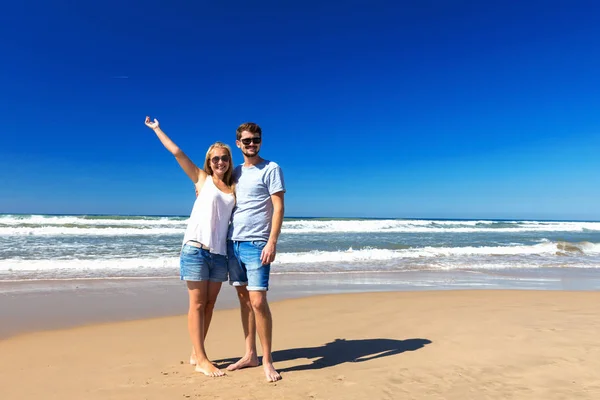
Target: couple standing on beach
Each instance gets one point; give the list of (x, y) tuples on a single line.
[(232, 231)]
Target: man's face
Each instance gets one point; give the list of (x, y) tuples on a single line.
[(248, 144)]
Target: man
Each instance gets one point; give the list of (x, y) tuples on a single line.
[(252, 245)]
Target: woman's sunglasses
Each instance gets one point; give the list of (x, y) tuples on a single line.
[(255, 140), (216, 159)]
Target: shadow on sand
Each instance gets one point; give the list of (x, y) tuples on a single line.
[(341, 351)]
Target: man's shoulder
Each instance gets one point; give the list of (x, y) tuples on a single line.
[(271, 165), (265, 167)]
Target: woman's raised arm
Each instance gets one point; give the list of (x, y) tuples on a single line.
[(184, 161)]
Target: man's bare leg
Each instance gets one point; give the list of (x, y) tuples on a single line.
[(198, 292), (264, 326), (250, 359)]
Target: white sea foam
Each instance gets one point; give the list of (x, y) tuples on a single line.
[(19, 265), (440, 257), (81, 231), (58, 220), (424, 226), (369, 254), (41, 225)]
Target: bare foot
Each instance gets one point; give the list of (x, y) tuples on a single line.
[(270, 372), (208, 369), (244, 362), (194, 362)]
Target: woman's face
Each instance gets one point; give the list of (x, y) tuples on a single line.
[(219, 161)]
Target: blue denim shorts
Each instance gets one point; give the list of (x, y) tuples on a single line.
[(196, 264), (245, 267)]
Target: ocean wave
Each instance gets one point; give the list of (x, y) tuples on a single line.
[(36, 221), (447, 256), (104, 264), (371, 254), (86, 231), (426, 226), (43, 225)]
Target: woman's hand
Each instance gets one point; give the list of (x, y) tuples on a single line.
[(150, 124)]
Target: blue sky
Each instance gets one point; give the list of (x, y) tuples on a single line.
[(449, 109)]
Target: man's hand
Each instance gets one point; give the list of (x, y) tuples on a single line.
[(150, 124), (268, 253)]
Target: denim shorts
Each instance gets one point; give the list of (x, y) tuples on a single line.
[(245, 267), (196, 264)]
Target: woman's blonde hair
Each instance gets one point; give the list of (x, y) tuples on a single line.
[(228, 178)]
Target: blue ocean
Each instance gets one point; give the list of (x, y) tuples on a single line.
[(63, 247)]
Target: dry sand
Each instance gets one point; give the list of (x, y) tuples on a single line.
[(401, 345)]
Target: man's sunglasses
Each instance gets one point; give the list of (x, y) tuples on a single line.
[(255, 140), (216, 159)]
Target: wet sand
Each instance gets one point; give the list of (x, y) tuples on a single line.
[(28, 306)]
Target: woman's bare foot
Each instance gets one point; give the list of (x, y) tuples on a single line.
[(193, 357), (244, 362), (270, 372), (208, 369)]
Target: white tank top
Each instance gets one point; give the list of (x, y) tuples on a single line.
[(210, 217)]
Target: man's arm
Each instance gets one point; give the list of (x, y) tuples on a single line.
[(270, 250)]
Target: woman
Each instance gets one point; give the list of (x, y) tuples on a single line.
[(203, 261)]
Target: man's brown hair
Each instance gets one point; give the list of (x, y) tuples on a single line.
[(250, 127)]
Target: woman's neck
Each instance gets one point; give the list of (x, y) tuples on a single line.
[(217, 178)]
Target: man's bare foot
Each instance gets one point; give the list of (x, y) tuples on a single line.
[(270, 372), (244, 362), (208, 369)]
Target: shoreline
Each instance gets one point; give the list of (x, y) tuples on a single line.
[(454, 344), (33, 306)]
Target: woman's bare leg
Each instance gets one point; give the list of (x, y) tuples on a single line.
[(198, 294), (213, 291)]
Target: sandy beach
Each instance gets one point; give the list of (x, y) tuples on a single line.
[(411, 345)]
